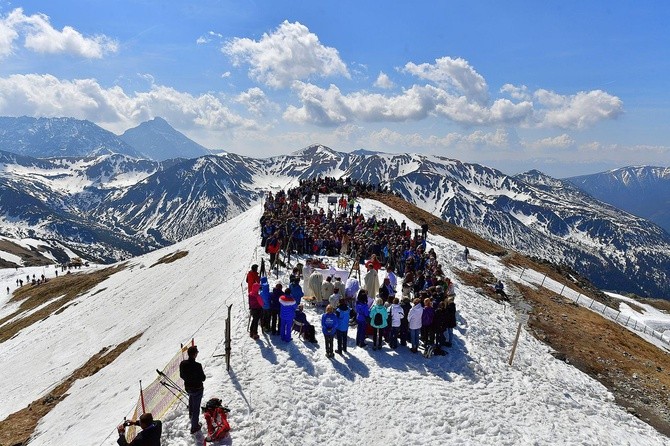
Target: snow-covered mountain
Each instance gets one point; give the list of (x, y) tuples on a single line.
[(640, 190), (532, 213), (59, 137), (159, 141), (290, 393)]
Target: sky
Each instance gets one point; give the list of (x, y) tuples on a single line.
[(567, 87), (290, 393)]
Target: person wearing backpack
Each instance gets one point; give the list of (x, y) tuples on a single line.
[(343, 314), (329, 328), (362, 317), (379, 321), (216, 417), (450, 319)]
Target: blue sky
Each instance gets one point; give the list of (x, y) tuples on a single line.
[(565, 87)]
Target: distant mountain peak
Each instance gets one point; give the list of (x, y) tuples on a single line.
[(159, 141), (315, 149)]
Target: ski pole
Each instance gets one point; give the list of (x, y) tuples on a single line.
[(174, 384), (177, 395)]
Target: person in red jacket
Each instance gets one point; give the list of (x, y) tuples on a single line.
[(255, 308), (374, 262), (216, 417), (253, 277)]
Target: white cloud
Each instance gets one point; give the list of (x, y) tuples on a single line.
[(289, 53), (202, 40), (41, 37), (453, 74), (256, 101), (330, 107), (555, 142), (383, 81), (46, 95), (519, 93), (480, 139), (577, 111)]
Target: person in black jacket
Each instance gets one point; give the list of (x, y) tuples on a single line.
[(150, 435), (192, 374)]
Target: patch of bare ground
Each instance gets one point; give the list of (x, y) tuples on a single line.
[(29, 257), (169, 258), (659, 304), (16, 429), (51, 297), (635, 371)]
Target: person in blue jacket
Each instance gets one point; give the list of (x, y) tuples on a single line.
[(329, 323), (379, 320), (275, 306), (286, 315), (296, 290), (343, 314), (265, 294), (362, 316)]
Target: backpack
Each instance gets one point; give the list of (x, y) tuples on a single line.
[(215, 403), (379, 319)]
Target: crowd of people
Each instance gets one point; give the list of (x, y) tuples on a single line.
[(422, 311)]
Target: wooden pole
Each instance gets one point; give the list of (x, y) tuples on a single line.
[(516, 341)]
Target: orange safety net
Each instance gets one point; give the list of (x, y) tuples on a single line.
[(156, 398)]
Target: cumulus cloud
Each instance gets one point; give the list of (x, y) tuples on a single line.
[(452, 74), (256, 101), (289, 53), (519, 93), (46, 95), (40, 36), (383, 81), (330, 107), (577, 111)]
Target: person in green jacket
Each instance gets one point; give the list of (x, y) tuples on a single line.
[(378, 320)]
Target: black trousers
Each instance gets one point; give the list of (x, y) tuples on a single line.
[(329, 344)]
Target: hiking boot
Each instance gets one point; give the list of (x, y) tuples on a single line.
[(196, 429)]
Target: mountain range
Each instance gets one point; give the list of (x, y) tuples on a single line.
[(112, 206), (640, 190)]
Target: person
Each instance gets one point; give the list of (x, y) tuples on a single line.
[(374, 261), (450, 319), (343, 314), (379, 321), (296, 289), (386, 291), (466, 253), (414, 322), (329, 323), (362, 317), (255, 309), (253, 276), (273, 247), (334, 298), (309, 333), (406, 305), (193, 375), (371, 281), (275, 306), (427, 332), (150, 435), (424, 229), (440, 323), (286, 316), (216, 417), (267, 297), (327, 289), (397, 314), (393, 279), (500, 289), (351, 289)]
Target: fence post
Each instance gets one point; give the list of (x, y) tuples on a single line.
[(543, 279), (561, 293), (591, 304), (228, 342), (578, 296), (522, 271), (617, 317), (516, 341)]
